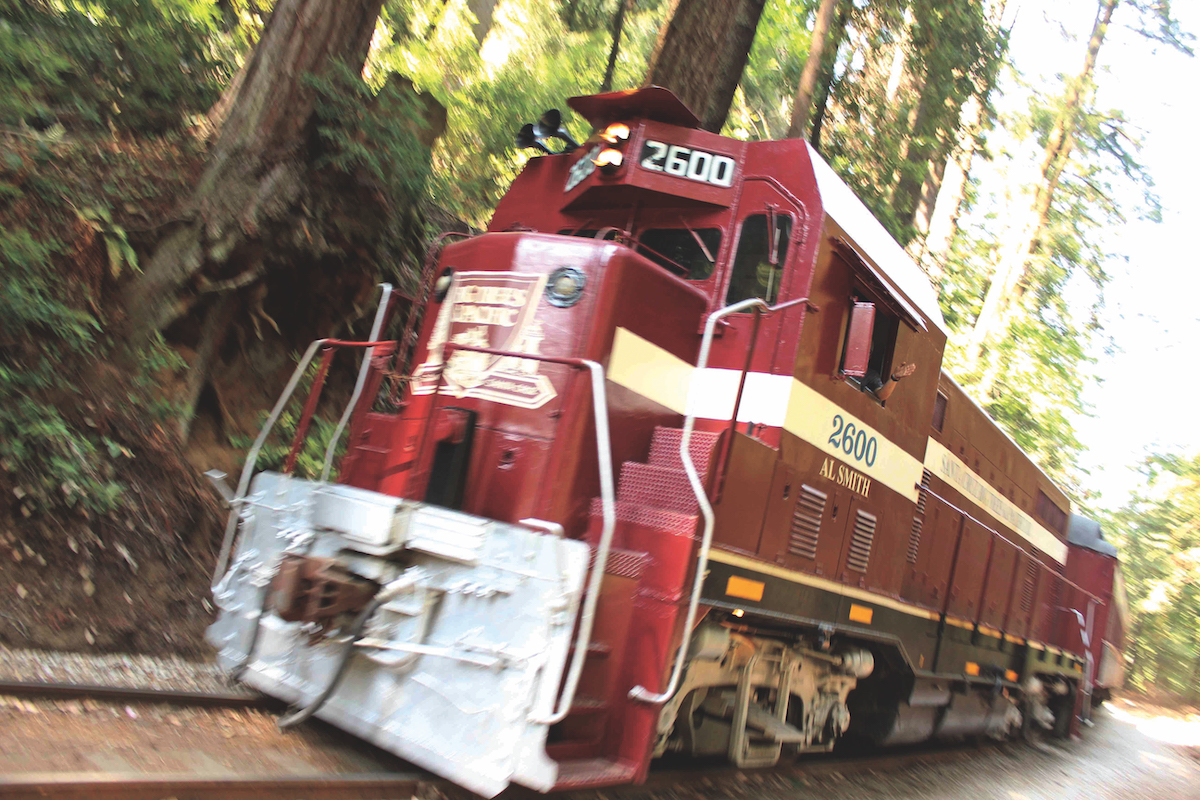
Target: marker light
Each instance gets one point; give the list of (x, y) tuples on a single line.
[(737, 612), (616, 132), (608, 160)]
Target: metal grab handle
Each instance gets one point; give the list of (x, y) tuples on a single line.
[(376, 327), (641, 693), (608, 505), (297, 374)]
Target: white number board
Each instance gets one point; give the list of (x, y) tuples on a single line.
[(684, 162)]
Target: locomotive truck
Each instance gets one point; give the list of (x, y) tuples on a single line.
[(662, 462)]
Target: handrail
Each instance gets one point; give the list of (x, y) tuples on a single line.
[(376, 327), (252, 455), (608, 505), (641, 693)]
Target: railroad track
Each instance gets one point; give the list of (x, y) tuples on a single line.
[(62, 691), (100, 786), (313, 784)]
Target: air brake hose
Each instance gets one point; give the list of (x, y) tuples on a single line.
[(386, 595), (356, 633)]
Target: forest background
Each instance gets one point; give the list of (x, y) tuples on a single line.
[(192, 190)]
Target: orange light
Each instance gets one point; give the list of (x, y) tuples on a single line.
[(737, 612), (616, 132), (608, 159)]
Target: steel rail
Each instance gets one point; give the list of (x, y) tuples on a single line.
[(55, 690), (97, 786), (376, 327)]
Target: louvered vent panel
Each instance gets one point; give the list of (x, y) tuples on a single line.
[(806, 522), (914, 536), (1031, 571), (861, 541)]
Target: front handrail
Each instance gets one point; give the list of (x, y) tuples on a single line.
[(641, 693), (239, 497), (608, 504), (376, 328)]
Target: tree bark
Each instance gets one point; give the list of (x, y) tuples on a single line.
[(484, 11), (701, 53), (255, 172), (802, 106), (1006, 287), (829, 62), (617, 28)]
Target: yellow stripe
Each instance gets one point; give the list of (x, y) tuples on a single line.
[(644, 367), (960, 623), (813, 417), (734, 560), (1014, 639), (986, 631), (649, 370), (746, 589), (950, 468)]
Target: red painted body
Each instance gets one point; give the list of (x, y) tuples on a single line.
[(531, 454)]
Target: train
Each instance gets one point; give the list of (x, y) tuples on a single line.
[(663, 462)]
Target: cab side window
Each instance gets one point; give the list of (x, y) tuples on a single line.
[(761, 254), (869, 343), (692, 252)]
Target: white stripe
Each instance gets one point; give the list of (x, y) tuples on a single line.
[(764, 398)]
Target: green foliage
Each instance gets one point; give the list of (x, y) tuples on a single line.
[(144, 65), (762, 106), (371, 134), (54, 463), (885, 128), (530, 61), (1158, 532), (116, 242), (311, 458)]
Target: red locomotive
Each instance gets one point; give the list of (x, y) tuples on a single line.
[(809, 532)]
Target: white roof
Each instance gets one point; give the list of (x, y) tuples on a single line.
[(860, 224)]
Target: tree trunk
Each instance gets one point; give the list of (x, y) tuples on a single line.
[(937, 222), (701, 53), (484, 11), (1006, 287), (802, 106), (945, 188), (617, 28), (829, 60), (255, 173)]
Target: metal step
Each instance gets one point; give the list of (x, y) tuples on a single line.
[(657, 487), (664, 448), (593, 773)]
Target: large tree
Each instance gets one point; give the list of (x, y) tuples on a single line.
[(802, 106), (701, 52), (300, 187)]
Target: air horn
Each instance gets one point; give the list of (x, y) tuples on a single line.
[(550, 125), (527, 137)]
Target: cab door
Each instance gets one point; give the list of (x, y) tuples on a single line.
[(760, 263)]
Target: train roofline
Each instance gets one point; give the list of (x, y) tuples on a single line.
[(839, 202), (1084, 532)]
